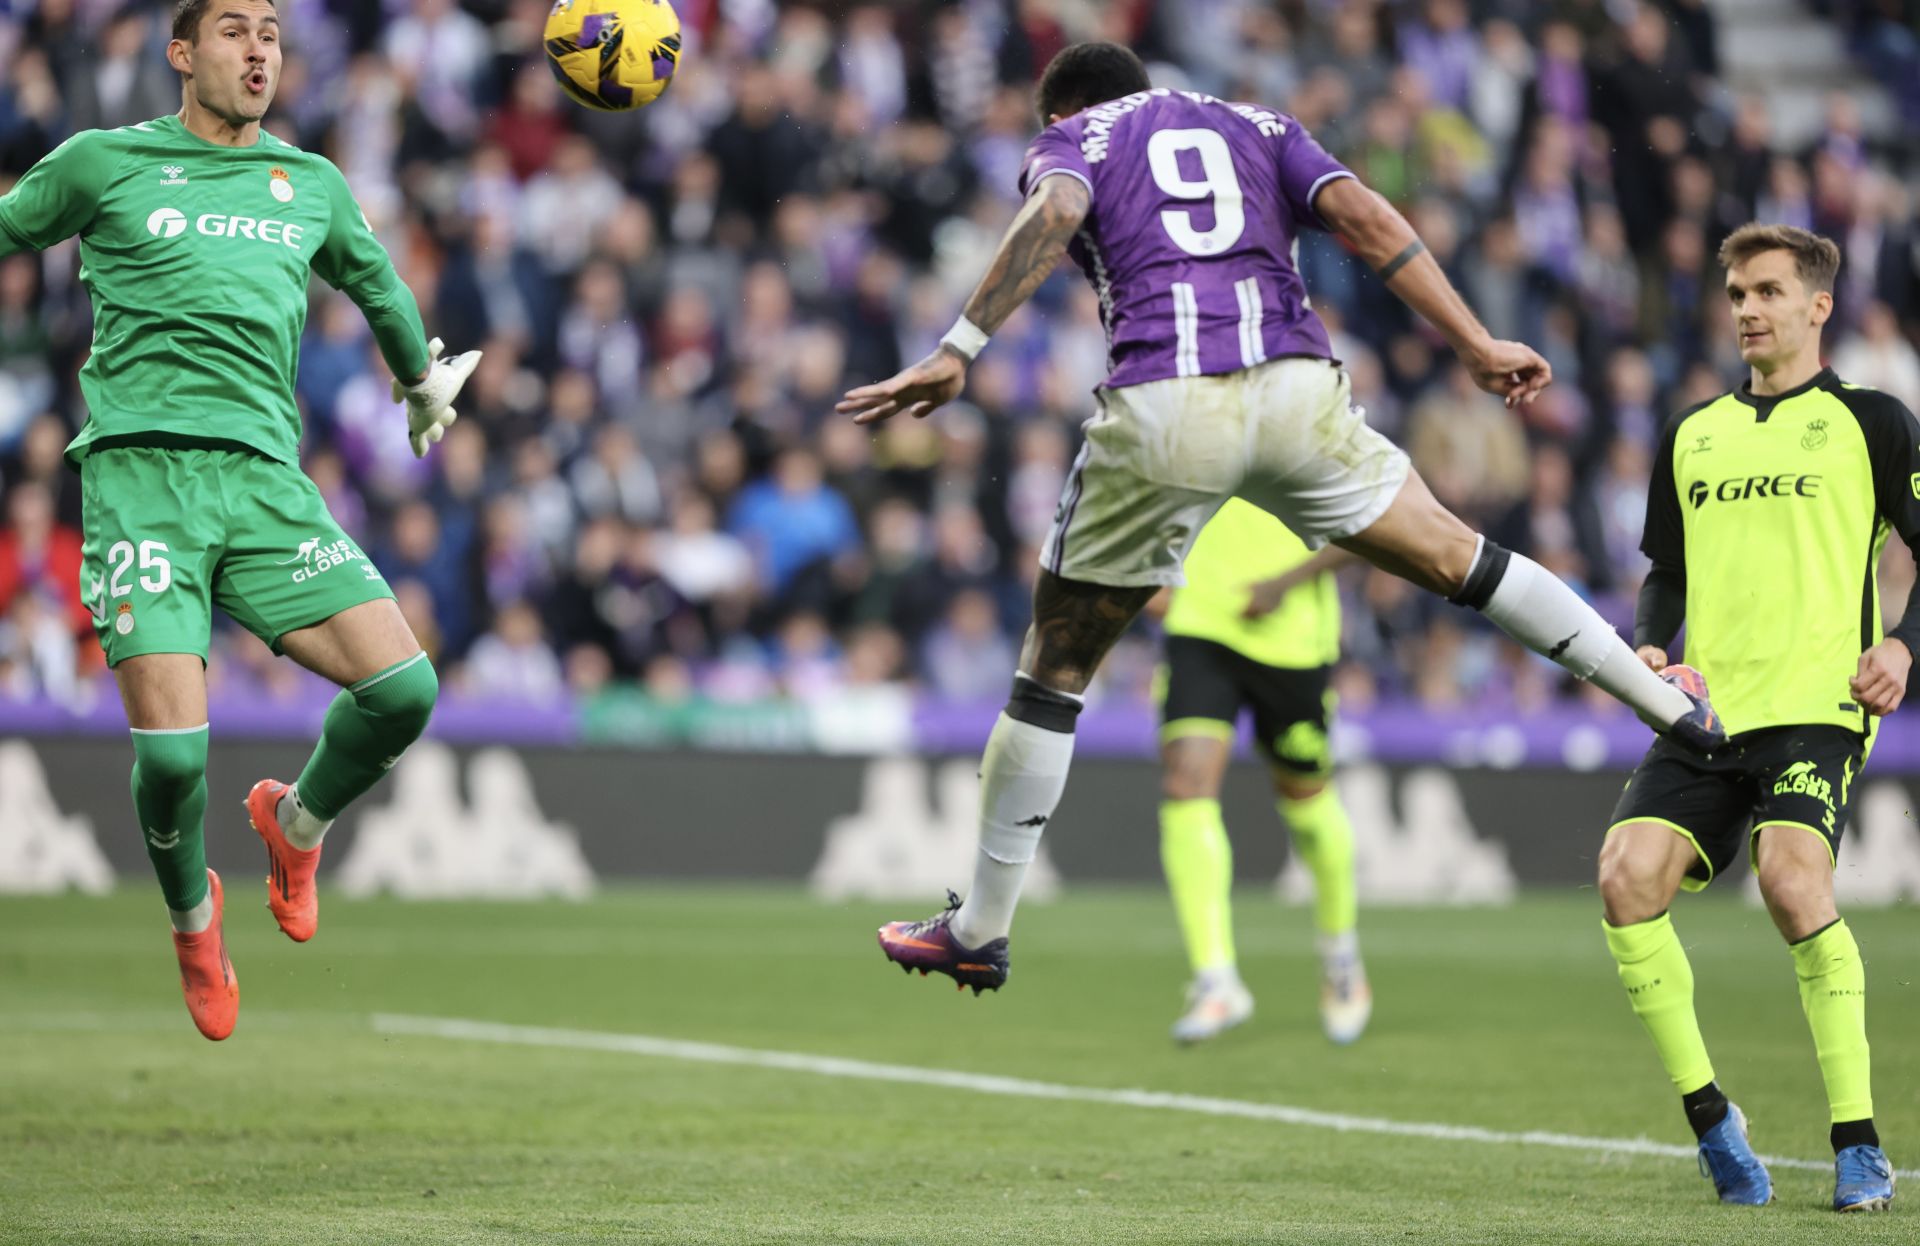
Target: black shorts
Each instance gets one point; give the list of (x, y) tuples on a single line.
[(1211, 683), (1797, 776)]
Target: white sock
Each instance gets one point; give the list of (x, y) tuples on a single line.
[(1218, 978), (1021, 778), (195, 919), (1338, 952), (1536, 609), (302, 829)]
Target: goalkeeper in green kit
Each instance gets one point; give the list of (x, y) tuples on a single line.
[(197, 234)]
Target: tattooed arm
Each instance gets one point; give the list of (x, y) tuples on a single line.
[(1031, 250), (1027, 256)]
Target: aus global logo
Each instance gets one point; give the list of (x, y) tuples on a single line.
[(1801, 779), (317, 558)]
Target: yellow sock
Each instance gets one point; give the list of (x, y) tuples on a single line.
[(1323, 837), (1833, 994), (1659, 982), (1199, 863)]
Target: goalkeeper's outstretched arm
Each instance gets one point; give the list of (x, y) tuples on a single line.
[(353, 261)]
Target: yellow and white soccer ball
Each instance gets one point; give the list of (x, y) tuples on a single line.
[(613, 55)]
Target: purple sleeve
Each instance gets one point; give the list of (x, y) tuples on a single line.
[(1054, 151), (1305, 169)]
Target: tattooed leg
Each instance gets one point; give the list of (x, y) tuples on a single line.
[(1074, 625), (1025, 767)]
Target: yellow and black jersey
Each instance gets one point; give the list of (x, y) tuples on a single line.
[(1766, 516), (1241, 546)]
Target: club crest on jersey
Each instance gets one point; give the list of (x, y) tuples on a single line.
[(124, 623), (1816, 435), (173, 175), (280, 184)]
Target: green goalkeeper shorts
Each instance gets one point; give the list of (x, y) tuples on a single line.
[(170, 532)]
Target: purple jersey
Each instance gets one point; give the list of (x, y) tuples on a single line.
[(1189, 239)]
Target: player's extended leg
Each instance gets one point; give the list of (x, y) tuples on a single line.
[(1022, 775), (1198, 860), (388, 689), (1795, 866), (1641, 868), (165, 695), (1422, 541), (1323, 836)]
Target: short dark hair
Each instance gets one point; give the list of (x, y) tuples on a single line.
[(187, 15), (1816, 259), (1087, 74)]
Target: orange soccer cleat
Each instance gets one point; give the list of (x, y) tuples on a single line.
[(290, 890), (206, 975)]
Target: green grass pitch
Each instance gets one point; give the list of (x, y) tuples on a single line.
[(119, 1124)]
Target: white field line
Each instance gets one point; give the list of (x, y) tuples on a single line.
[(1018, 1087)]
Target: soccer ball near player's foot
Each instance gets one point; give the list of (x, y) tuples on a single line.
[(613, 55)]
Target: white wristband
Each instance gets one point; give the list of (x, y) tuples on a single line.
[(966, 338)]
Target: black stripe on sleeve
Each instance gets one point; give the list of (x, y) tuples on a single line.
[(1662, 606), (1893, 452)]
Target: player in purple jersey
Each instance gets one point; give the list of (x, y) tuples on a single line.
[(1182, 210)]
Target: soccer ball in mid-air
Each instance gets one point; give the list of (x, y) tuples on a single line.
[(613, 54)]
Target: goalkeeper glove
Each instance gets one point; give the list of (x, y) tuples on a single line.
[(429, 404)]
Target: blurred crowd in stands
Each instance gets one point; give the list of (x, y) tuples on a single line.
[(647, 482)]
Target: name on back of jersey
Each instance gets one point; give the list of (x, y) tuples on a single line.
[(1098, 134)]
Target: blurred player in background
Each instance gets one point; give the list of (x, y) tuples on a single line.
[(1182, 210), (198, 232), (1766, 514), (1256, 626)]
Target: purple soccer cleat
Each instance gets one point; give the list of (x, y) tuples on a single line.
[(1702, 731), (930, 947)]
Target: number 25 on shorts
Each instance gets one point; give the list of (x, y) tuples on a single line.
[(155, 576)]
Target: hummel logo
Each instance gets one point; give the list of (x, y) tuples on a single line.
[(173, 175), (163, 842), (1038, 819), (1555, 652)]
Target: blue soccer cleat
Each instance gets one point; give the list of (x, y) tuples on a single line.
[(1862, 1180), (1727, 1157)]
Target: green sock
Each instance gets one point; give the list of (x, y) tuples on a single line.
[(1659, 982), (170, 797), (368, 726), (1199, 863), (1833, 994), (1323, 837)]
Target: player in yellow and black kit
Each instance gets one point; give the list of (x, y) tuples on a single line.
[(1766, 515), (1257, 626)]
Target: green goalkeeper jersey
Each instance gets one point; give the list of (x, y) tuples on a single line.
[(1241, 546), (197, 258)]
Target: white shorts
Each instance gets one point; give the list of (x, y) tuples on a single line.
[(1161, 457)]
